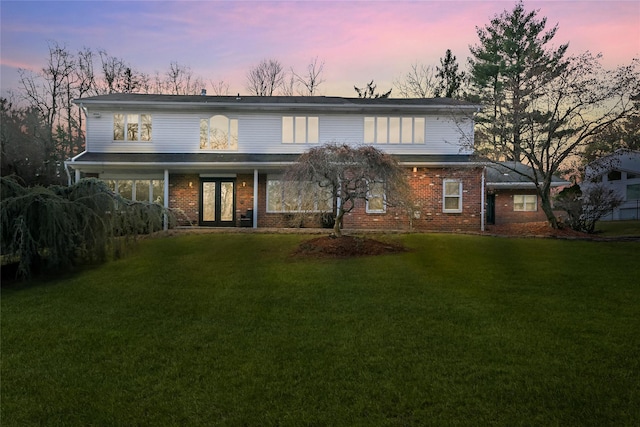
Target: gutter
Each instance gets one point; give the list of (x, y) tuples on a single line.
[(66, 166), (522, 184), (257, 106)]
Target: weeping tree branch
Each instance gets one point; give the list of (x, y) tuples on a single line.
[(58, 227)]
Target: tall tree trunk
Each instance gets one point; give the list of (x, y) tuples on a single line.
[(545, 196)]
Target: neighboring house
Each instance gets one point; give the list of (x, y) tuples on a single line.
[(511, 194), (621, 172), (220, 159)]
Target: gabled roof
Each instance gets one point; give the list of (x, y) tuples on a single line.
[(242, 102), (515, 175)]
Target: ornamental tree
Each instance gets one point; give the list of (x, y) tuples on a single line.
[(348, 174)]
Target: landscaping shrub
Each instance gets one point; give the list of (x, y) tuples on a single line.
[(58, 227)]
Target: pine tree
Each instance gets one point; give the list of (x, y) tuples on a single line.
[(510, 68), (450, 79)]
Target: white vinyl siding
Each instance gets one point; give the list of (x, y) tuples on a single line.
[(179, 132)]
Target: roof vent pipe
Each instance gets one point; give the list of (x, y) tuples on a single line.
[(203, 92)]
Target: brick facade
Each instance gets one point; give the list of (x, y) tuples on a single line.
[(504, 213), (427, 185), (184, 197)]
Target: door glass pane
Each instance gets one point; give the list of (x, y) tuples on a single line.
[(208, 201), (226, 201)]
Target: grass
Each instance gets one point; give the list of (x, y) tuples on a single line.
[(618, 228), (229, 330)]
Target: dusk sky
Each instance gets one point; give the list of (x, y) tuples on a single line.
[(357, 40)]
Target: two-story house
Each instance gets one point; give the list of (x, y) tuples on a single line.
[(619, 171), (217, 158)]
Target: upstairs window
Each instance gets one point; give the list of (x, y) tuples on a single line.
[(614, 176), (219, 133), (300, 130), (394, 130), (525, 203), (452, 195), (132, 127)]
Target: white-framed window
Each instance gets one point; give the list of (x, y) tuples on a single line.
[(300, 130), (451, 195), (633, 192), (394, 130), (376, 198), (525, 203), (219, 133), (132, 127), (309, 197), (140, 190)]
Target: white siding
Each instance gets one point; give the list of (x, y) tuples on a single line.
[(177, 132)]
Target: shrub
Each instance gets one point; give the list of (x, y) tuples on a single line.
[(585, 208), (58, 227)]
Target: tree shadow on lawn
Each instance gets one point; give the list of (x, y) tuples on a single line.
[(345, 247)]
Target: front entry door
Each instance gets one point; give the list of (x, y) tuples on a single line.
[(218, 202), (491, 209)]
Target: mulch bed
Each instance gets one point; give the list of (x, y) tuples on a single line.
[(352, 246)]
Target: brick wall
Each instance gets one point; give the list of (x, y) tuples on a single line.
[(504, 208), (184, 196), (244, 195), (427, 185)]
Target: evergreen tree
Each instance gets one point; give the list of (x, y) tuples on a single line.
[(540, 107), (450, 79), (510, 68)]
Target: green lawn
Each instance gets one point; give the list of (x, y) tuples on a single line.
[(229, 330), (618, 228)]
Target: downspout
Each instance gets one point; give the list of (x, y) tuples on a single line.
[(66, 163), (66, 169), (482, 201), (255, 199), (165, 225)]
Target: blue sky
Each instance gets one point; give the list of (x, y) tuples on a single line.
[(357, 40)]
